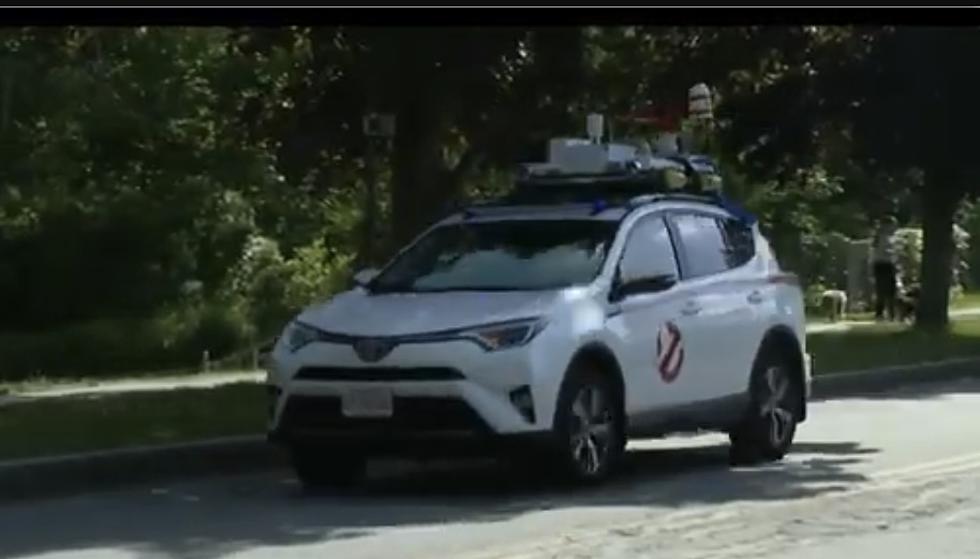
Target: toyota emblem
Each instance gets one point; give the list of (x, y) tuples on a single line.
[(372, 349)]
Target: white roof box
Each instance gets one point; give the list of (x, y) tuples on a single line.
[(577, 155)]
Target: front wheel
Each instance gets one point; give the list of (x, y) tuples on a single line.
[(766, 433), (588, 426)]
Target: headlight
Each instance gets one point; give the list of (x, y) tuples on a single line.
[(298, 335), (506, 334)]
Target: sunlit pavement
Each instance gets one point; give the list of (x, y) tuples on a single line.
[(845, 325), (898, 472)]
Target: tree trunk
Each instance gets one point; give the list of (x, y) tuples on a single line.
[(420, 189), (366, 252), (939, 206), (5, 100)]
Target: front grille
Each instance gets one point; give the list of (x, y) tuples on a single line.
[(379, 374), (322, 414)]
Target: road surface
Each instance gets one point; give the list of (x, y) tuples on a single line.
[(892, 476)]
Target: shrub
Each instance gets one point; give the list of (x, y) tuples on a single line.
[(908, 254), (89, 348), (171, 341), (272, 289)]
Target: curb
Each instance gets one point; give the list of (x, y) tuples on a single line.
[(855, 383), (61, 475)]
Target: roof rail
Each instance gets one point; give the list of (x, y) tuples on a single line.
[(503, 208), (644, 199), (715, 199)]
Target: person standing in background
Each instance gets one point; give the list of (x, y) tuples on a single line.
[(883, 265)]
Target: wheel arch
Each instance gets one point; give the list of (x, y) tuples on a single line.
[(781, 338), (599, 354)]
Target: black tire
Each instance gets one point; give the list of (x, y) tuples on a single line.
[(588, 426), (766, 432), (318, 468)]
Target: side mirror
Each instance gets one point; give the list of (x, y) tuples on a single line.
[(365, 276), (621, 289), (642, 275)]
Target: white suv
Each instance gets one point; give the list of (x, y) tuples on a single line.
[(571, 326)]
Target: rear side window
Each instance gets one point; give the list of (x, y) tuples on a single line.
[(704, 245), (739, 242)]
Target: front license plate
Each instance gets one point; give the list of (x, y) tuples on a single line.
[(367, 402)]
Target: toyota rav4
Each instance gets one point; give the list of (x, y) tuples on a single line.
[(567, 325)]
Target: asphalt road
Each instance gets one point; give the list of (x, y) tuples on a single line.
[(894, 475)]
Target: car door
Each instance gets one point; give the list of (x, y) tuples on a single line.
[(641, 316), (716, 315), (750, 279)]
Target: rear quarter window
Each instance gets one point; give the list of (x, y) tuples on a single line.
[(704, 246), (739, 242)]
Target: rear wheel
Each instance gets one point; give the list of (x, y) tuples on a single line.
[(319, 468), (589, 425), (766, 433)]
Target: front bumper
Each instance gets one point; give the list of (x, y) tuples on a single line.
[(419, 427), (440, 392)]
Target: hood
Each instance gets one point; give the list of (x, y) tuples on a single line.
[(396, 314)]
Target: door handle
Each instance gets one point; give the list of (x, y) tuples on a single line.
[(691, 309), (755, 297)]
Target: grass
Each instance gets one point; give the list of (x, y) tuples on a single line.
[(965, 301), (40, 382), (885, 344), (78, 424)]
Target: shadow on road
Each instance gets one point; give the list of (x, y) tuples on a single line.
[(209, 520)]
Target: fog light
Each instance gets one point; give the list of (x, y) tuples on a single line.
[(522, 400)]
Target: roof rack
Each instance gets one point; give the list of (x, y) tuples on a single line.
[(614, 188), (588, 172), (599, 205)]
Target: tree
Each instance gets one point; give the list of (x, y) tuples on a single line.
[(457, 95), (915, 108), (122, 180), (898, 97)]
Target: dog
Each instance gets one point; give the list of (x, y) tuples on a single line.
[(835, 302), (906, 303)]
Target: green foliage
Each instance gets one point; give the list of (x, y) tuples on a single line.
[(173, 341), (908, 254), (141, 162), (272, 288), (58, 426), (790, 215), (971, 258), (814, 87)]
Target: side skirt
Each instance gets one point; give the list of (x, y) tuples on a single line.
[(717, 414)]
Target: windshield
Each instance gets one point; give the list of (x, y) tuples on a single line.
[(501, 256)]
